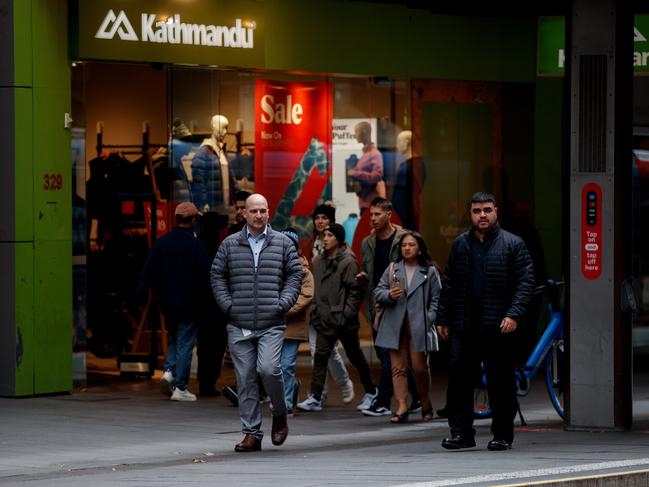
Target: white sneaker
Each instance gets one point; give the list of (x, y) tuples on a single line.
[(348, 391), (180, 395), (166, 383), (310, 404), (367, 400)]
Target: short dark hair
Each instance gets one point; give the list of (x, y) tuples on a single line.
[(385, 205), (482, 197), (241, 196)]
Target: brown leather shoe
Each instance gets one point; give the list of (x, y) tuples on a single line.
[(280, 430), (248, 444)]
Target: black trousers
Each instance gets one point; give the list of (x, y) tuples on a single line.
[(210, 348), (324, 345), (498, 353)]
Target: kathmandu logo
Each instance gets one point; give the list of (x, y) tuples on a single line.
[(637, 36), (173, 30), (121, 25)]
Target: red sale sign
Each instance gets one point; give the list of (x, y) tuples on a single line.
[(591, 231), (292, 149)]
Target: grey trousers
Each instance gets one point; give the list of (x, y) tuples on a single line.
[(257, 353)]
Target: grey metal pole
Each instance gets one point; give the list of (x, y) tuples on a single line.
[(600, 75)]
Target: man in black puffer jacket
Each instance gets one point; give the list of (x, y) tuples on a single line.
[(486, 287), (256, 278)]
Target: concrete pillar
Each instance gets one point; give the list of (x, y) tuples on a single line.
[(600, 39)]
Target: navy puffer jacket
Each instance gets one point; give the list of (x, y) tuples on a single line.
[(508, 281), (256, 300)]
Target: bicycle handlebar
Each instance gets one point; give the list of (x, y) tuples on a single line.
[(551, 290)]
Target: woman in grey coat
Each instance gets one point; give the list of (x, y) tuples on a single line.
[(409, 293)]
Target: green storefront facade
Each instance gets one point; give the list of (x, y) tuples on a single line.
[(349, 39)]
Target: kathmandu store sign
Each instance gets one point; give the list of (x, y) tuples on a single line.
[(551, 57), (228, 34)]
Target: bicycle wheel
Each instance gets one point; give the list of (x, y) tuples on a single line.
[(555, 375)]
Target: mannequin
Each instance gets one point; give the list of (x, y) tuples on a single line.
[(368, 172), (407, 187), (404, 144), (212, 181)]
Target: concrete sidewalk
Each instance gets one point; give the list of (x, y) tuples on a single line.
[(126, 433)]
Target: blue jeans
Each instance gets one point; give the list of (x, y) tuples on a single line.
[(288, 360), (179, 356)]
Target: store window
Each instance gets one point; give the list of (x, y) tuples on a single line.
[(298, 153), (158, 135)]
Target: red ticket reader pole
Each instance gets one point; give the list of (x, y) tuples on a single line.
[(591, 231)]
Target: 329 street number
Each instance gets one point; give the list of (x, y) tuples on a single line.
[(52, 182)]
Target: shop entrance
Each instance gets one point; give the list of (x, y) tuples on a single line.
[(137, 146), (640, 282)]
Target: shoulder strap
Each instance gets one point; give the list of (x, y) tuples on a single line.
[(390, 274)]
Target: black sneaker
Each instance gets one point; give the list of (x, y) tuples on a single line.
[(415, 406), (457, 442), (376, 410), (208, 392), (498, 445), (442, 413), (230, 393)]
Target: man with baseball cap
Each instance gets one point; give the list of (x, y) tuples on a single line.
[(177, 270)]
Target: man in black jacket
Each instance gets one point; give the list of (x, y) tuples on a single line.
[(486, 288), (178, 271)]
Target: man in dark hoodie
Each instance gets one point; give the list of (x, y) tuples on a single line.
[(337, 300)]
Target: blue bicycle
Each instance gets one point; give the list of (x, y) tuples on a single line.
[(549, 351)]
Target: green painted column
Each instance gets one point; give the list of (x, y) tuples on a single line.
[(35, 201)]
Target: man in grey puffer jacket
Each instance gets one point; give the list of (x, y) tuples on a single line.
[(256, 277)]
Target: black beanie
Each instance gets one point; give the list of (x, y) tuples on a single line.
[(338, 231), (326, 210)]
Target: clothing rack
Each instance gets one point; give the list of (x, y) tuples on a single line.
[(130, 148)]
